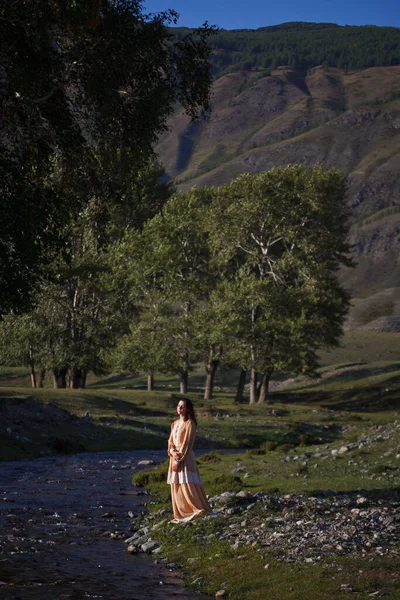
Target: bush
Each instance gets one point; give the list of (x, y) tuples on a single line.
[(211, 457), (269, 446), (246, 443), (286, 447)]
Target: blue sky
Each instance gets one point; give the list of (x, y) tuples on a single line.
[(251, 14)]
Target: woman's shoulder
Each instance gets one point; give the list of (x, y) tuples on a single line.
[(174, 423)]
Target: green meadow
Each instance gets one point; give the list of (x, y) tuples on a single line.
[(356, 397)]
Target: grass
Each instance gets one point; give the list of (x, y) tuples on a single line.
[(211, 564), (242, 574), (355, 398)]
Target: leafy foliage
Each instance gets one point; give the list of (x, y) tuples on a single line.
[(86, 88)]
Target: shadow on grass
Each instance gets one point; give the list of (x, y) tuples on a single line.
[(375, 398), (33, 428), (124, 407), (350, 373)]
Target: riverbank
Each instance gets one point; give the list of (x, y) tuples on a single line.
[(340, 535)]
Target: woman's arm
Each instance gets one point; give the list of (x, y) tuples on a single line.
[(188, 440), (171, 445)]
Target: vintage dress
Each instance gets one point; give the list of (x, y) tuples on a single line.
[(187, 493)]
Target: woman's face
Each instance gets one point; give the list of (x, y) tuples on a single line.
[(181, 409)]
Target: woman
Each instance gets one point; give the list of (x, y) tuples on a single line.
[(188, 497)]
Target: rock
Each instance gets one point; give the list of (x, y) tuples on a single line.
[(343, 450), (129, 540), (159, 524), (146, 462), (220, 593), (361, 500), (149, 546), (238, 470), (277, 412)]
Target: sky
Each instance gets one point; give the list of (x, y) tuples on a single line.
[(251, 14)]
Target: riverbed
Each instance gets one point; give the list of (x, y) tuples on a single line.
[(63, 521)]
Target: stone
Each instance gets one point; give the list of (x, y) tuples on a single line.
[(343, 450), (220, 593), (146, 462), (277, 412), (244, 494), (130, 539), (149, 546)]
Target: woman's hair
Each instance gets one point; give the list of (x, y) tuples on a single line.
[(190, 409)]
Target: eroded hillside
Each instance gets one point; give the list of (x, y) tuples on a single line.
[(350, 120)]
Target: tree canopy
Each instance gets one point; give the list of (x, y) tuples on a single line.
[(86, 87)]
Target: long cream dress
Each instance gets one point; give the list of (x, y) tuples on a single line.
[(188, 497)]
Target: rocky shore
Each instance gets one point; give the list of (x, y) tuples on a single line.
[(293, 527)]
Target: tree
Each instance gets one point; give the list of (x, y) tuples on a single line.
[(21, 344), (86, 88), (166, 270), (278, 238)]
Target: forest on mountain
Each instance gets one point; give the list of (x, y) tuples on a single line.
[(303, 45)]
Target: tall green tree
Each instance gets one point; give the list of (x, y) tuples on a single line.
[(166, 269), (85, 89), (278, 239)]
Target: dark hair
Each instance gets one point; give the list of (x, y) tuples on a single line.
[(190, 409)]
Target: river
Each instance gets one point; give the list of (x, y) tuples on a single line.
[(62, 524)]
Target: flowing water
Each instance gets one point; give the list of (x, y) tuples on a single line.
[(62, 524)]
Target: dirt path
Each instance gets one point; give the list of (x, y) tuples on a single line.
[(58, 516)]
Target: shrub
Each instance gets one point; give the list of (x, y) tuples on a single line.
[(211, 457), (269, 446), (285, 447), (246, 443)]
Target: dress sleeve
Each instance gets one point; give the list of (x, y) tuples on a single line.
[(171, 439), (188, 440)]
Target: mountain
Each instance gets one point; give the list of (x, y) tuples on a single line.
[(348, 118)]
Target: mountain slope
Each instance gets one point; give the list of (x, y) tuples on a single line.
[(350, 120)]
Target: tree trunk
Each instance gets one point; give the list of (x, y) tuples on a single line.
[(150, 382), (253, 386), (41, 379), (83, 379), (32, 373), (240, 388), (184, 382), (76, 376), (211, 368), (59, 378), (264, 386)]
